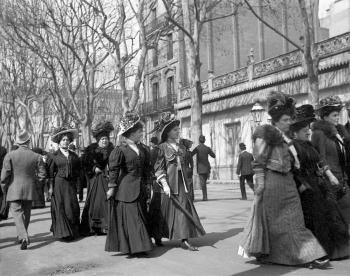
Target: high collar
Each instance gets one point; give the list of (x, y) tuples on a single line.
[(327, 128)]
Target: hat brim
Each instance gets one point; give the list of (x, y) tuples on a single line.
[(174, 122), (122, 131), (308, 120), (336, 106), (73, 131), (21, 142)]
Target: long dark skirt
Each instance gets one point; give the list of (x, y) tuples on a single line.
[(323, 217), (4, 206), (127, 232), (39, 198), (95, 214), (156, 223), (65, 209), (177, 225)]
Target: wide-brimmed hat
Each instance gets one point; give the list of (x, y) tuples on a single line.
[(331, 101), (304, 115), (128, 121), (166, 122), (279, 103), (103, 128), (22, 137), (58, 132)]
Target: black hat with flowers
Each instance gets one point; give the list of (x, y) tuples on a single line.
[(304, 116), (166, 122), (102, 129), (328, 105), (279, 104), (59, 132), (128, 121)]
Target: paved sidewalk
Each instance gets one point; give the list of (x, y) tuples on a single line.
[(223, 217)]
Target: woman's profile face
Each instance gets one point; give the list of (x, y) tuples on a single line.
[(64, 143), (284, 123), (303, 134), (137, 135), (333, 117), (174, 133)]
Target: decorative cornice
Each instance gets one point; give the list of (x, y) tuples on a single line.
[(333, 52)]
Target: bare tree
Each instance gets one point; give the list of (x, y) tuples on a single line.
[(308, 14)]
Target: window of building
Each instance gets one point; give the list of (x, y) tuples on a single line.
[(155, 56), (170, 89), (155, 94), (170, 46)]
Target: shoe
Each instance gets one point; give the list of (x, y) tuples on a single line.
[(159, 242), (187, 246), (24, 244), (320, 264)]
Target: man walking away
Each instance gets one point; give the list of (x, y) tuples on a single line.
[(203, 165), (21, 170), (245, 170)]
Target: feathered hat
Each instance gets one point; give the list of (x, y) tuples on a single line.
[(128, 120), (304, 115), (58, 132), (166, 122), (279, 104), (101, 129), (328, 105)]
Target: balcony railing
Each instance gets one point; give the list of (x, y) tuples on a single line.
[(324, 49), (162, 104)]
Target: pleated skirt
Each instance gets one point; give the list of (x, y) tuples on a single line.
[(177, 225), (127, 232), (291, 243)]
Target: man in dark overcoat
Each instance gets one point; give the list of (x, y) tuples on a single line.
[(4, 210), (203, 166), (21, 170), (245, 170)]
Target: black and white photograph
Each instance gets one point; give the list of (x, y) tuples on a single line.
[(174, 137)]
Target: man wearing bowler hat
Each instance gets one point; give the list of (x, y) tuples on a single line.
[(21, 170)]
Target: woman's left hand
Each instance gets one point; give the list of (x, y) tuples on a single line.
[(110, 193)]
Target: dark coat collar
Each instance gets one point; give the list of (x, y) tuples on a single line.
[(327, 128)]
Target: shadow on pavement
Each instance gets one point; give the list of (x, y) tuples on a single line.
[(31, 222), (40, 237), (211, 239), (268, 270)]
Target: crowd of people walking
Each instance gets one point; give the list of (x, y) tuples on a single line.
[(301, 165), (300, 213)]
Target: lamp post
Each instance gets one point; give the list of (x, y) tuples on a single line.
[(257, 113)]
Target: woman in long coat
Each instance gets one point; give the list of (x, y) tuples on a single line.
[(39, 198), (64, 171), (330, 138), (276, 231), (321, 211), (129, 173), (180, 216), (94, 218)]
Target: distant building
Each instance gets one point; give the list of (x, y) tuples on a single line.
[(337, 19)]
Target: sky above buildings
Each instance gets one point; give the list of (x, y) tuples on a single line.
[(323, 6)]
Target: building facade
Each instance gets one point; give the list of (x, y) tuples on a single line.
[(242, 61)]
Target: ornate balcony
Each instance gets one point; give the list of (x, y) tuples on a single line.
[(162, 104), (327, 48)]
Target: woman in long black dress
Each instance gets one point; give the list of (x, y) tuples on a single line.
[(129, 173), (94, 219), (64, 170), (39, 198), (321, 212), (180, 216)]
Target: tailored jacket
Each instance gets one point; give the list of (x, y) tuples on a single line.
[(203, 165), (328, 145), (21, 170), (244, 166), (60, 166), (167, 166), (270, 151), (129, 173)]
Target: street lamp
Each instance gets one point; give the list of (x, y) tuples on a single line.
[(257, 113)]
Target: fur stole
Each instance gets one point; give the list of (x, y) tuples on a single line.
[(270, 134), (327, 128)]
